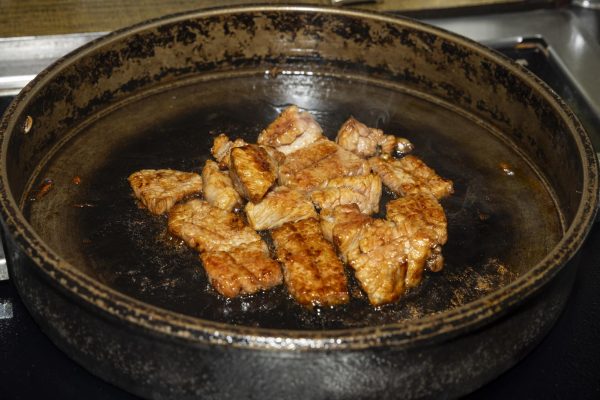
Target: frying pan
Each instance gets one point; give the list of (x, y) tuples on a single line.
[(113, 290)]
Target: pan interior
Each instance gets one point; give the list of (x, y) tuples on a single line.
[(502, 219)]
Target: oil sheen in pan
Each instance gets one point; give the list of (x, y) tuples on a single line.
[(500, 206)]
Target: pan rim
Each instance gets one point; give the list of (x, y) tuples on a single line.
[(169, 324)]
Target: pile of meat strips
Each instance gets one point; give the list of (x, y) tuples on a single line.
[(316, 198)]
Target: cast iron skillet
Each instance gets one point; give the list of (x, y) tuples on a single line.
[(112, 289)]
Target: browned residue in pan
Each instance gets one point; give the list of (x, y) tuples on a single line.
[(42, 190)]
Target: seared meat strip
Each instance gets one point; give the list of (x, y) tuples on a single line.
[(207, 228), (410, 175), (347, 213), (313, 166), (363, 141), (313, 273), (241, 271), (218, 188), (252, 170), (280, 206), (374, 248), (291, 130), (389, 256), (158, 190), (422, 220), (364, 190), (222, 147), (234, 256)]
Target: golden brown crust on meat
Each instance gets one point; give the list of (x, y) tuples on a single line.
[(375, 250), (419, 211), (313, 166), (207, 228), (363, 141), (280, 206), (252, 171), (218, 188), (239, 272), (158, 190), (235, 257), (364, 191), (422, 220), (290, 131), (313, 273), (221, 149), (410, 175)]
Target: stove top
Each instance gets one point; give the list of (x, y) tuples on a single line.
[(565, 365)]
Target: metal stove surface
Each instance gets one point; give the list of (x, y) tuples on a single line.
[(567, 362)]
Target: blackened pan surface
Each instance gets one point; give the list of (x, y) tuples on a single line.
[(502, 218)]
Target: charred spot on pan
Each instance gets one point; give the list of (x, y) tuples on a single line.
[(455, 93), (289, 24), (493, 111), (453, 52), (240, 22), (184, 33), (352, 29), (426, 37), (136, 83)]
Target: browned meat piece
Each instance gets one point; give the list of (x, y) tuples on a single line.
[(280, 206), (235, 257), (382, 271), (365, 191), (410, 175), (207, 228), (306, 158), (311, 167), (218, 188), (363, 141), (374, 248), (344, 214), (275, 154), (240, 271), (252, 170), (158, 190), (313, 273), (423, 222), (222, 147), (418, 211), (292, 129)]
